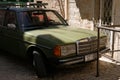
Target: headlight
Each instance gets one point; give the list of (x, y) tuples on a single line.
[(68, 49), (65, 50)]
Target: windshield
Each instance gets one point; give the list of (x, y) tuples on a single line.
[(40, 19)]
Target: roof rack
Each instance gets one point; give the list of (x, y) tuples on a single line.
[(12, 4), (6, 5), (39, 4)]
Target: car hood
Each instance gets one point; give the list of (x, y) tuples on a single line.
[(57, 35)]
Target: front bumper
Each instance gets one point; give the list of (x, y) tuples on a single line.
[(81, 58)]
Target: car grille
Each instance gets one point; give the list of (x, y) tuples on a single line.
[(89, 45)]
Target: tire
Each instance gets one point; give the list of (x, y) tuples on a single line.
[(39, 64)]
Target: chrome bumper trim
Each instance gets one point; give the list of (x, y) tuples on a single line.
[(78, 59), (72, 60)]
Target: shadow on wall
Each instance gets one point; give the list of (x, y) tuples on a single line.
[(86, 9)]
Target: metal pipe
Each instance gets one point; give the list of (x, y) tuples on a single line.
[(106, 28), (100, 14), (66, 9), (113, 37), (98, 46)]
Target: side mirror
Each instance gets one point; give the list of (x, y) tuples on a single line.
[(11, 26)]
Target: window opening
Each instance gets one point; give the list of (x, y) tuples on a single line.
[(107, 12)]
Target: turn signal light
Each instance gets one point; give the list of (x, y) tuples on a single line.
[(57, 51)]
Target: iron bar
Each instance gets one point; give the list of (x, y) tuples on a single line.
[(110, 28), (97, 63), (113, 36)]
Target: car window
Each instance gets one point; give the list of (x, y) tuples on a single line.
[(10, 19), (52, 18), (2, 13), (24, 19), (38, 19)]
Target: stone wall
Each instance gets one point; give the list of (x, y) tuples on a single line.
[(52, 4), (81, 13)]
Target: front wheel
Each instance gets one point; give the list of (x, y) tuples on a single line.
[(39, 64)]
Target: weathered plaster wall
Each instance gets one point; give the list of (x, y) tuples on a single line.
[(52, 4), (116, 13), (81, 13), (116, 21)]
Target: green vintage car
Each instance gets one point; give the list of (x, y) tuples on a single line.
[(45, 38)]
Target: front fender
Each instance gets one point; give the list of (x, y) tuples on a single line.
[(47, 52)]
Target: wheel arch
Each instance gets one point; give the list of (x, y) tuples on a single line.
[(31, 48)]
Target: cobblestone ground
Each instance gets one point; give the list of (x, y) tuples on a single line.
[(14, 69)]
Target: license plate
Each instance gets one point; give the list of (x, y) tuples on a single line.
[(90, 57)]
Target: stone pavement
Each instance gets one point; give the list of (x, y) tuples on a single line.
[(14, 69)]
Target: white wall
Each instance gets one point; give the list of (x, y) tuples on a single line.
[(116, 21)]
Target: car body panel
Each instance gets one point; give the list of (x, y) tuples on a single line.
[(58, 35)]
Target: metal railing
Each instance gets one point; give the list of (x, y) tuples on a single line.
[(109, 28)]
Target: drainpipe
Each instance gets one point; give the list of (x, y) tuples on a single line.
[(101, 11), (66, 9), (100, 15), (94, 23)]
